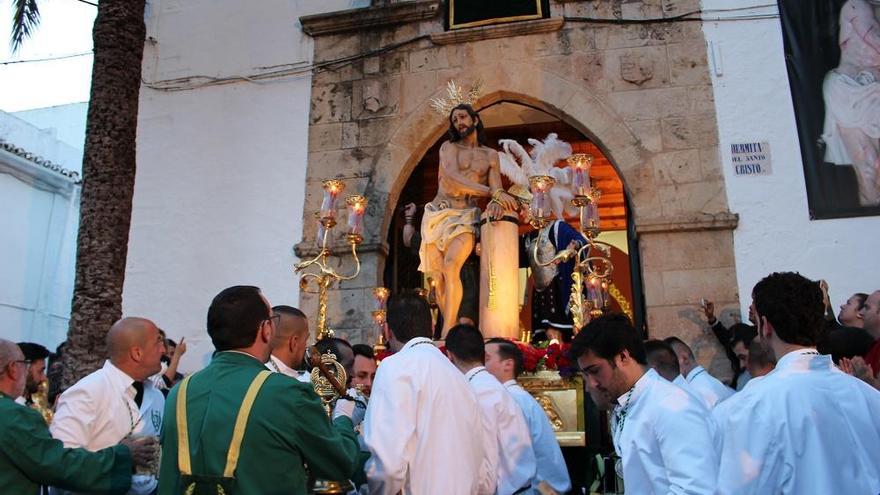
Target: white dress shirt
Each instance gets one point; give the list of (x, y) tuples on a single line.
[(278, 366), (551, 467), (683, 384), (806, 427), (516, 458), (722, 410), (708, 387), (422, 426), (665, 438), (99, 411)]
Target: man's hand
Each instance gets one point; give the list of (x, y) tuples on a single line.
[(858, 368), (353, 410), (709, 310), (180, 350), (143, 450)]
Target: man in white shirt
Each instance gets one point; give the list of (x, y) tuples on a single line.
[(661, 357), (504, 418), (116, 401), (805, 427), (289, 342), (663, 435), (423, 426), (706, 385), (505, 361)]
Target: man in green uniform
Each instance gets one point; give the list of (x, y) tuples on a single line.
[(30, 457), (286, 429)]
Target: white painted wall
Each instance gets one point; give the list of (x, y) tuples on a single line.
[(65, 123), (37, 235), (221, 170), (775, 233)]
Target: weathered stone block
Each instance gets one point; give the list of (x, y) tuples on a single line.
[(693, 198), (649, 104), (688, 286), (375, 132), (349, 163), (701, 99), (685, 323), (688, 64), (687, 250), (589, 67), (428, 59), (689, 132), (710, 163), (375, 97), (648, 132), (349, 135), (416, 89), (331, 103), (325, 137), (676, 167)]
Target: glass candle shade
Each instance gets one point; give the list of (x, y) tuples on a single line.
[(540, 186), (580, 164), (357, 205), (332, 188)]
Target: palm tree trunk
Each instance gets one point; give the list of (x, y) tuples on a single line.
[(108, 184)]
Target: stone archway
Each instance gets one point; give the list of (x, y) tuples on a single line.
[(371, 124)]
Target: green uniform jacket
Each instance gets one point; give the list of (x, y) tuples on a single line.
[(287, 428), (30, 457)]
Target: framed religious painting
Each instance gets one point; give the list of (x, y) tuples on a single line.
[(474, 13), (832, 52)]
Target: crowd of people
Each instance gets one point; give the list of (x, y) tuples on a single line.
[(429, 420)]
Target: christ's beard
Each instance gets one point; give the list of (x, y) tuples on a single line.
[(467, 132)]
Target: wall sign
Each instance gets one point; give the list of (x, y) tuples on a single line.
[(751, 158)]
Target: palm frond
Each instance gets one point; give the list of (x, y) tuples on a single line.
[(25, 19)]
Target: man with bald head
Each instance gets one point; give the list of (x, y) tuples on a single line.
[(289, 342), (29, 456), (117, 401)]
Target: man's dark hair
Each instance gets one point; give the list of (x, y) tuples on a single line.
[(742, 332), (662, 358), (334, 345), (861, 297), (283, 309), (794, 305), (761, 354), (234, 317), (455, 136), (509, 350), (408, 316), (363, 350), (845, 342), (675, 341), (607, 336), (33, 352), (466, 342)]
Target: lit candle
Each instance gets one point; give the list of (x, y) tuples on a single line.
[(580, 164), (540, 186), (357, 205), (592, 215), (380, 297), (332, 188)]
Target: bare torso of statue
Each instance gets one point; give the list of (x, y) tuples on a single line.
[(468, 171)]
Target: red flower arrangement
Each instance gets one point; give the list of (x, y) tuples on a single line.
[(552, 357)]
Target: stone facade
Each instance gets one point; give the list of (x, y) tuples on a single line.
[(642, 92)]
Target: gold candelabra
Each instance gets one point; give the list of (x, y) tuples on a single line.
[(320, 281), (591, 278), (380, 296)]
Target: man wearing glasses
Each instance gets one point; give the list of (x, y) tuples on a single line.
[(29, 456), (285, 426)]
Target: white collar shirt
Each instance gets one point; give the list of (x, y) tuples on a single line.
[(422, 426), (683, 384), (665, 438), (550, 464), (806, 427), (99, 411), (516, 459), (708, 387), (278, 366)]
